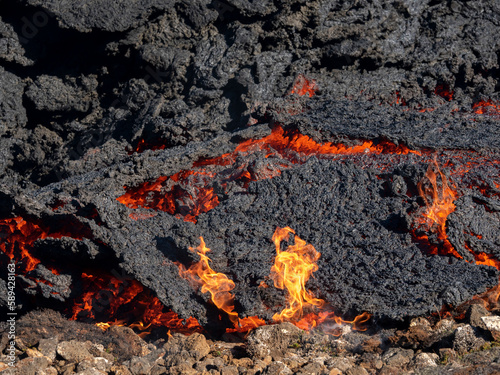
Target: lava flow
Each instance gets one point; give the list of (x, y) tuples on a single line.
[(189, 193), (18, 235), (200, 274), (439, 200), (486, 107), (304, 86)]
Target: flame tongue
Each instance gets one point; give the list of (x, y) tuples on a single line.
[(439, 202), (442, 199), (291, 270), (218, 285)]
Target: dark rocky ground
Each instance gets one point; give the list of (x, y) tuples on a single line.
[(50, 344), (84, 84)]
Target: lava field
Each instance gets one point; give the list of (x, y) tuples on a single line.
[(216, 166)]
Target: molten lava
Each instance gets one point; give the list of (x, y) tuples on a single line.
[(304, 86), (486, 107), (189, 193), (125, 302), (18, 235), (439, 200), (179, 194), (443, 90), (200, 274)]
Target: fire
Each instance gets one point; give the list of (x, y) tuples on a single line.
[(439, 200), (304, 86), (291, 270), (200, 274), (217, 284)]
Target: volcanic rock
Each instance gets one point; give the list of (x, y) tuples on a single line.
[(467, 338), (425, 360), (104, 15), (272, 340), (475, 315), (48, 347), (53, 94), (98, 98), (11, 48), (30, 365), (397, 357), (12, 111), (181, 349), (98, 363), (73, 351), (492, 324)]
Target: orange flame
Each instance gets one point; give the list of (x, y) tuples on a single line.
[(439, 201), (200, 274), (291, 270)]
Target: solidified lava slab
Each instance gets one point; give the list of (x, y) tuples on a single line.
[(440, 129), (354, 210)]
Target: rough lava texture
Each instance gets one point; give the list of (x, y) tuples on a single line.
[(99, 95)]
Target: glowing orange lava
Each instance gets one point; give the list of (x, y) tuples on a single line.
[(125, 302), (200, 274), (486, 107), (188, 193), (18, 235), (439, 200), (178, 194), (304, 86), (443, 90)]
